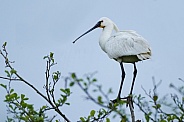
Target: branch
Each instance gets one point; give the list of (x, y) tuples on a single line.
[(7, 62), (85, 88), (47, 81), (141, 109), (130, 104), (7, 78)]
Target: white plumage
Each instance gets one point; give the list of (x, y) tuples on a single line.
[(122, 46)]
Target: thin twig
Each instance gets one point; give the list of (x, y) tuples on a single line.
[(7, 62), (6, 78), (96, 102), (140, 107)]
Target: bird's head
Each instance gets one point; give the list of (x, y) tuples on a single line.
[(102, 23)]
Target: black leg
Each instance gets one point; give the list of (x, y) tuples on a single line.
[(134, 76), (122, 79), (129, 98), (121, 84)]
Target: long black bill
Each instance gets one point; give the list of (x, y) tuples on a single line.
[(96, 26)]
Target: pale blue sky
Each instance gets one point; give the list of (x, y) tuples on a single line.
[(34, 28)]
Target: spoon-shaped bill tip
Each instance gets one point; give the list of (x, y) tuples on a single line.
[(78, 38), (74, 41)]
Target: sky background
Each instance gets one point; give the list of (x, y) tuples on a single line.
[(34, 28)]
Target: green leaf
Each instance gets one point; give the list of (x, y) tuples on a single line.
[(43, 107), (100, 99), (67, 90), (52, 60), (85, 84), (10, 106), (12, 71), (5, 43), (64, 99), (22, 96), (24, 105), (82, 119), (26, 98), (12, 90), (7, 72), (154, 106), (4, 86), (72, 83), (55, 76), (63, 90), (29, 106), (14, 95), (92, 113), (79, 80), (67, 103), (107, 120), (155, 98), (51, 54), (94, 80), (45, 57), (147, 116), (73, 75), (158, 106)]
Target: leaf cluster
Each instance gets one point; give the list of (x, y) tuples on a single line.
[(154, 107)]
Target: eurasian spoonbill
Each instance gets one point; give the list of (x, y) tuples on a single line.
[(123, 46)]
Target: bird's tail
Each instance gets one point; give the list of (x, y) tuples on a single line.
[(144, 56)]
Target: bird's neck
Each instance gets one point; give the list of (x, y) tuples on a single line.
[(105, 35)]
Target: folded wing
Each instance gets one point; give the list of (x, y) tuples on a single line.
[(127, 43)]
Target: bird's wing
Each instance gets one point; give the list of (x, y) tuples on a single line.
[(125, 43)]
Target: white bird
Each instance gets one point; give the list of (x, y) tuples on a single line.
[(122, 46)]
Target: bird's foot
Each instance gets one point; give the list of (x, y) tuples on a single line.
[(118, 99), (115, 100), (129, 101)]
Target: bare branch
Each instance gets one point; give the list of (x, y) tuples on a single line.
[(7, 78)]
